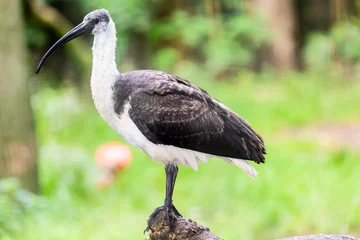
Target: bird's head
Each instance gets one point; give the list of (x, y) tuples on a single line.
[(96, 22)]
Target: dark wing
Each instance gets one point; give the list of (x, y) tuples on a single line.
[(174, 112)]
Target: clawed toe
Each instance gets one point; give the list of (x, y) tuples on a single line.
[(152, 217), (170, 213), (176, 212)]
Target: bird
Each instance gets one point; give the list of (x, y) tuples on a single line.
[(173, 121)]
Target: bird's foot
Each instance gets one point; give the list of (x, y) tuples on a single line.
[(170, 213)]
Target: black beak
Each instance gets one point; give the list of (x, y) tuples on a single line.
[(81, 29)]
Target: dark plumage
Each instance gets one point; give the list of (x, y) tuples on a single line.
[(169, 110)]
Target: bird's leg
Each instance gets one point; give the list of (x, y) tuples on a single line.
[(171, 174)]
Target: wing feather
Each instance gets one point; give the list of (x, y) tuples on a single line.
[(170, 111)]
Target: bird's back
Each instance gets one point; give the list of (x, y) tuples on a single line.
[(171, 111)]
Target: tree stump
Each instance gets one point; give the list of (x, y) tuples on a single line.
[(181, 229)]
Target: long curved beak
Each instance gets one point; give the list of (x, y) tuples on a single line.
[(77, 31)]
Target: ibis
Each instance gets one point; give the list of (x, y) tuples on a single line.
[(167, 117)]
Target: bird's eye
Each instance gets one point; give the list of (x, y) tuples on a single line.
[(96, 20)]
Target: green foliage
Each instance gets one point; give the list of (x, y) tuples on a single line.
[(338, 50), (346, 36), (214, 41), (166, 58), (219, 44), (294, 194), (318, 52), (15, 204), (34, 36), (129, 16)]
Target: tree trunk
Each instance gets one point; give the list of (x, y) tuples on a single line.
[(17, 136), (279, 16)]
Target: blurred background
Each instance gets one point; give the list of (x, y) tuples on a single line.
[(289, 67)]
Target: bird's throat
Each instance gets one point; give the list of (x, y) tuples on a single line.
[(104, 71), (104, 53)]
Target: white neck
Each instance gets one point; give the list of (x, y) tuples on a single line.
[(104, 71)]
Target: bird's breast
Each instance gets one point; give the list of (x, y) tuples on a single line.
[(102, 93), (121, 122)]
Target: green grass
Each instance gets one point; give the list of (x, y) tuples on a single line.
[(302, 188)]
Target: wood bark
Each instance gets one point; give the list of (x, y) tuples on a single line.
[(17, 135), (280, 19), (182, 229), (321, 237)]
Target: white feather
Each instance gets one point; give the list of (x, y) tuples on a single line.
[(202, 158), (245, 166)]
